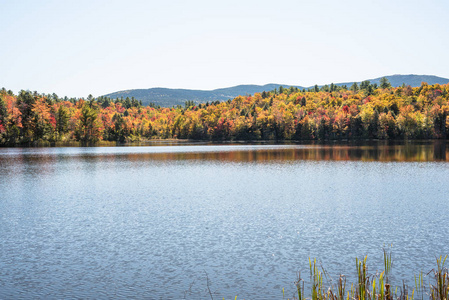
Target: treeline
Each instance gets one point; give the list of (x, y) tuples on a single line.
[(364, 111)]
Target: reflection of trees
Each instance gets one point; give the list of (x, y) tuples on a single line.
[(44, 162), (34, 164), (380, 152), (439, 150)]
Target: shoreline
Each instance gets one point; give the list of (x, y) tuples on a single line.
[(173, 142)]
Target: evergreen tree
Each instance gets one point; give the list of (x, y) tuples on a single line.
[(3, 118), (106, 103), (292, 90), (25, 101), (62, 121), (364, 85), (89, 128), (3, 111), (127, 103), (385, 83), (264, 95), (54, 97)]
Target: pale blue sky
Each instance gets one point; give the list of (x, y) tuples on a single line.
[(75, 48)]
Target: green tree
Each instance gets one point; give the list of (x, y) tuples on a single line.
[(292, 90), (134, 102), (89, 127), (188, 104), (55, 97), (25, 102), (106, 103), (325, 88), (3, 118), (62, 120), (385, 83), (3, 111), (364, 85), (120, 130)]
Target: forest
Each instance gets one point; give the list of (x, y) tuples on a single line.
[(330, 112)]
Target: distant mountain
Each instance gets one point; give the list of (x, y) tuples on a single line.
[(412, 80), (168, 97)]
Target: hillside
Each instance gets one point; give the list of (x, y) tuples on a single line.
[(365, 112), (168, 97), (411, 80)]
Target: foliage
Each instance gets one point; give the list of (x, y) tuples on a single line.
[(363, 111)]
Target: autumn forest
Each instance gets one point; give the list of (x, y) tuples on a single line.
[(361, 111)]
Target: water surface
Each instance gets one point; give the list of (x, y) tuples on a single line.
[(151, 222)]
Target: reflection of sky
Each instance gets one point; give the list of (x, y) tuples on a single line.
[(90, 224)]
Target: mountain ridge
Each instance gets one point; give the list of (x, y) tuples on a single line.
[(169, 97)]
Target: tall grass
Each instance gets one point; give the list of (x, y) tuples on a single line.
[(440, 289), (374, 286)]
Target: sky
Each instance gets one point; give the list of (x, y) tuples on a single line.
[(77, 48)]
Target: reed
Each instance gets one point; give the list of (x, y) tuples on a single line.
[(300, 287), (363, 280), (419, 286), (374, 286), (440, 289), (388, 263)]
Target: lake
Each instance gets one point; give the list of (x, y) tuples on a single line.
[(173, 220)]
